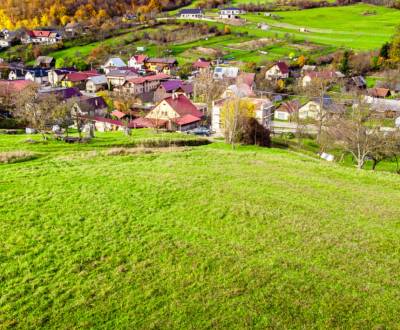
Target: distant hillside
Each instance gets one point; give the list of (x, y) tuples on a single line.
[(31, 13)]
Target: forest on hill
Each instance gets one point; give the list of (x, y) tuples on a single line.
[(34, 13)]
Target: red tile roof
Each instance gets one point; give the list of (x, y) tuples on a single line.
[(13, 86), (379, 92), (141, 80), (142, 122), (39, 33), (118, 114), (247, 78), (201, 64), (140, 59), (183, 106), (80, 76), (187, 119), (283, 68)]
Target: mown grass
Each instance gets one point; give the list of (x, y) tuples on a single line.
[(198, 238), (347, 26)]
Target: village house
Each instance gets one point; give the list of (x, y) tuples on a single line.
[(117, 78), (389, 107), (263, 113), (112, 64), (280, 70), (379, 92), (230, 13), (89, 106), (194, 13), (226, 72), (357, 82), (137, 62), (312, 109), (140, 85), (57, 75), (37, 75), (78, 79), (62, 93), (327, 75), (11, 87), (176, 112), (7, 38), (201, 65), (16, 73), (169, 87), (287, 110), (96, 83), (45, 62), (73, 28), (161, 65), (41, 37), (238, 90), (247, 78)]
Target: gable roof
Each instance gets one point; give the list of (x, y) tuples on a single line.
[(64, 93), (187, 119), (80, 76), (13, 86), (115, 62), (140, 59), (183, 106), (98, 80), (378, 92), (283, 67), (290, 106), (141, 80), (44, 60), (162, 60), (201, 64), (191, 11), (247, 78)]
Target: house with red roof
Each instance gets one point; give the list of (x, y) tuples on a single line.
[(326, 75), (140, 85), (78, 79), (178, 112), (279, 70), (11, 87), (137, 61), (202, 65), (43, 37)]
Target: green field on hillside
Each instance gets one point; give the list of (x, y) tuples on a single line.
[(348, 26), (199, 237)]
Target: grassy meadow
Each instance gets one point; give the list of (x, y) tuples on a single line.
[(194, 237)]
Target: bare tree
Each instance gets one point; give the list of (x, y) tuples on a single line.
[(317, 90), (207, 89), (39, 110), (351, 131)]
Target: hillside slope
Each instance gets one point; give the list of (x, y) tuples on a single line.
[(200, 238)]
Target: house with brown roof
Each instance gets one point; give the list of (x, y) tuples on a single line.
[(378, 92), (140, 85), (169, 87), (286, 110), (178, 113), (279, 70), (161, 65), (326, 75)]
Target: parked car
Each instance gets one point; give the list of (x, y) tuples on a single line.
[(202, 130)]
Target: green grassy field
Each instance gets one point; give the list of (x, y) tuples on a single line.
[(205, 237), (340, 26)]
